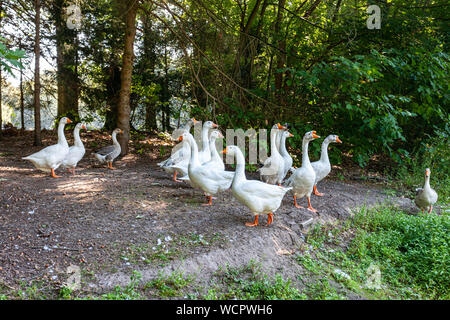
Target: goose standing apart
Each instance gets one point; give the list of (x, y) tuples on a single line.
[(51, 157), (76, 152), (323, 167), (207, 178), (181, 155), (284, 153), (259, 197), (109, 153), (426, 196), (273, 168), (205, 154), (302, 180)]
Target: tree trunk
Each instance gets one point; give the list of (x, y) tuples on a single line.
[(123, 114), (22, 117), (37, 81), (1, 116), (66, 59), (148, 63), (112, 93)]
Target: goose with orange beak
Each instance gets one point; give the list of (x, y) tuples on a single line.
[(273, 168), (76, 152), (426, 196), (207, 178), (284, 153), (109, 153), (204, 155), (50, 158), (259, 197), (302, 180), (179, 159), (323, 167)]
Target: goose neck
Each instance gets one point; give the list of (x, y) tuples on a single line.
[(239, 174), (61, 137), (305, 156)]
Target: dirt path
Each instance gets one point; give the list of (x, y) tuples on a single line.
[(110, 223)]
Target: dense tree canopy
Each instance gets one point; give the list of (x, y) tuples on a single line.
[(144, 64)]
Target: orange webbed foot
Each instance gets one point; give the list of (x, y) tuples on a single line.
[(317, 193), (254, 224), (53, 174)]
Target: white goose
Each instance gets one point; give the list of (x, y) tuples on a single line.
[(206, 178), (284, 153), (303, 178), (273, 168), (323, 167), (51, 157), (216, 162), (259, 197), (426, 196), (76, 152), (205, 154), (180, 153)]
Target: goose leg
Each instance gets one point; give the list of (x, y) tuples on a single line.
[(73, 170), (296, 204), (309, 205), (209, 202), (431, 208), (175, 177), (317, 193), (269, 218), (53, 174), (254, 224)]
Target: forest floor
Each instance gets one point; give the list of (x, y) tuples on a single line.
[(111, 223)]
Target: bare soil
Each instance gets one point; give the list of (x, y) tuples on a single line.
[(111, 222)]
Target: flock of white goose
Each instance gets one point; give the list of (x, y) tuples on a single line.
[(205, 170)]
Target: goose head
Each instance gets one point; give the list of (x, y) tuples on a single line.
[(117, 130), (210, 124), (333, 138), (231, 150), (215, 134), (427, 172), (80, 126), (310, 136), (287, 134), (184, 136), (65, 120)]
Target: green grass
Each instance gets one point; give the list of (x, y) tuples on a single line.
[(249, 282), (169, 285), (410, 251)]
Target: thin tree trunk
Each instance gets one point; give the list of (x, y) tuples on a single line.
[(1, 116), (123, 114), (66, 59), (37, 81), (22, 117)]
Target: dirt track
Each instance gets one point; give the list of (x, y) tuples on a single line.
[(135, 218)]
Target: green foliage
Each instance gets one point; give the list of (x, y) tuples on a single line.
[(250, 283), (360, 102), (130, 292), (10, 58)]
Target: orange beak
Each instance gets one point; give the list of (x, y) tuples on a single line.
[(83, 127), (121, 131), (280, 126), (221, 135), (180, 138), (69, 121), (291, 135), (427, 173), (315, 136), (338, 140), (215, 125), (224, 151), (195, 121)]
